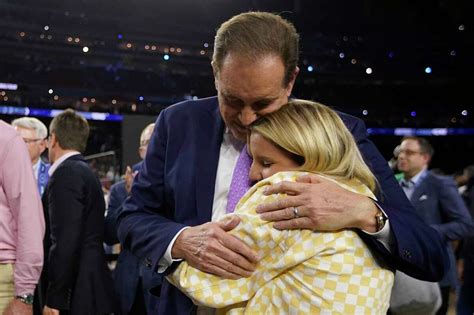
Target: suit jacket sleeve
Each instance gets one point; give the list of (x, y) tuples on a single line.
[(146, 225), (66, 196), (418, 249), (117, 196), (454, 212)]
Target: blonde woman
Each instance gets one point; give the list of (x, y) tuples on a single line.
[(300, 271)]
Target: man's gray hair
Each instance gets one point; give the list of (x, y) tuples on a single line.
[(32, 123)]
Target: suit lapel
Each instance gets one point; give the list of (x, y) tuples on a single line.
[(207, 159)]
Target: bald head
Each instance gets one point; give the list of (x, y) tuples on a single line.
[(145, 140)]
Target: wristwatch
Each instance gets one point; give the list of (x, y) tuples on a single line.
[(380, 220), (26, 298)]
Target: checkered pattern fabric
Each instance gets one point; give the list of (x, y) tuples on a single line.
[(300, 271)]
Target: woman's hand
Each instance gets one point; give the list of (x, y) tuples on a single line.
[(320, 205)]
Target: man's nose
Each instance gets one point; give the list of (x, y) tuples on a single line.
[(247, 116)]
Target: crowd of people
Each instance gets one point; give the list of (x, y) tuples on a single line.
[(248, 202)]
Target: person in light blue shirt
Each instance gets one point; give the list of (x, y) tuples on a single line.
[(34, 133), (436, 201)]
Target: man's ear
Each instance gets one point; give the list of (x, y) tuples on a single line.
[(216, 73), (290, 85), (427, 158), (52, 140)]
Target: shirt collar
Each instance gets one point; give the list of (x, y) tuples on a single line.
[(59, 161), (36, 168), (415, 179)]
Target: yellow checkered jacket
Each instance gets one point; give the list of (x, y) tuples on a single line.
[(300, 271)]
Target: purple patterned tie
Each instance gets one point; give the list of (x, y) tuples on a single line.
[(240, 180)]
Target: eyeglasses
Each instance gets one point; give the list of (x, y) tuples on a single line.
[(409, 152), (28, 140)]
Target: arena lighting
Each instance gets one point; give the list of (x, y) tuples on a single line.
[(453, 53), (461, 27), (166, 57), (436, 132), (342, 55), (46, 27), (365, 112), (464, 112), (85, 49), (8, 86), (119, 36), (391, 54), (354, 61), (40, 112), (413, 114), (428, 70), (368, 70), (140, 98), (310, 68), (50, 91), (206, 45)]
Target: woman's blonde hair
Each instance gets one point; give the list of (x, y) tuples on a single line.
[(317, 134)]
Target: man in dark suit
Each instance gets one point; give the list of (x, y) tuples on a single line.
[(76, 276), (185, 178), (132, 279), (436, 201)]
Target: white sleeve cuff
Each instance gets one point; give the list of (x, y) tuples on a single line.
[(167, 260), (384, 236)]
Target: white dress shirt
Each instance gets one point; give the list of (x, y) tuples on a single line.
[(59, 161), (409, 186), (36, 168)]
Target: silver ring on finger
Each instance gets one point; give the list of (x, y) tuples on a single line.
[(295, 212)]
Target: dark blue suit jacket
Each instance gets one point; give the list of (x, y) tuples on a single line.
[(438, 203), (175, 188), (129, 268)]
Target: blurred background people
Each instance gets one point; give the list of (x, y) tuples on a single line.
[(436, 201), (21, 226), (34, 133), (132, 279)]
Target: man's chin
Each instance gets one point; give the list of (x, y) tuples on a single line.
[(240, 135)]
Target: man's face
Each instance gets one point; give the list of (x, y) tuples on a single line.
[(35, 145), (250, 89), (410, 159)]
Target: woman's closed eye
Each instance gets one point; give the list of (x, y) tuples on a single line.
[(266, 163)]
